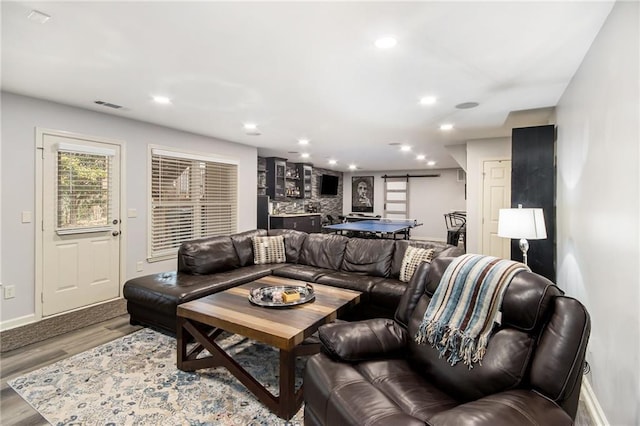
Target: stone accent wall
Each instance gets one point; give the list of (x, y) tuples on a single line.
[(329, 204)]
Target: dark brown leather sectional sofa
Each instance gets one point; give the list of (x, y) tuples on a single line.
[(210, 265), (373, 373)]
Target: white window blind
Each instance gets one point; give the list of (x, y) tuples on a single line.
[(191, 198), (83, 191)]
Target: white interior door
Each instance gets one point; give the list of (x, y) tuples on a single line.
[(80, 222), (396, 198), (496, 195)]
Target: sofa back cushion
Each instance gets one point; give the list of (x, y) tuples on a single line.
[(323, 250), (293, 241), (207, 256), (368, 256), (242, 243), (525, 308)]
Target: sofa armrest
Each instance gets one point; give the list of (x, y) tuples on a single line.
[(513, 407), (363, 340)]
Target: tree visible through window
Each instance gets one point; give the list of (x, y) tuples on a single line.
[(190, 198), (83, 190)]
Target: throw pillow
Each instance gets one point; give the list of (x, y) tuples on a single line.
[(413, 257), (268, 250)]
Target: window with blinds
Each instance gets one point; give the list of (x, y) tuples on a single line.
[(191, 197), (83, 190)]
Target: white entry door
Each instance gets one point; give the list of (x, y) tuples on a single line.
[(80, 222), (496, 195)]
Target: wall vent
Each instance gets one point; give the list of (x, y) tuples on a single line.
[(462, 175), (108, 104)]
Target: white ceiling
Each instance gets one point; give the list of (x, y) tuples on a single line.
[(303, 69)]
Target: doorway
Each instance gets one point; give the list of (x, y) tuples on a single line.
[(78, 258), (496, 195)]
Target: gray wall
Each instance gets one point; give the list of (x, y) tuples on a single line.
[(597, 209), (21, 115)]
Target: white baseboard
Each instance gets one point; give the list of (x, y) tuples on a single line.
[(592, 405), (17, 322)]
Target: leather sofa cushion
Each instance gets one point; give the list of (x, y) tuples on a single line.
[(514, 407), (166, 290), (351, 281), (388, 293), (301, 272), (504, 365), (207, 256), (323, 250), (408, 389), (345, 394), (368, 256), (243, 244), (293, 241)]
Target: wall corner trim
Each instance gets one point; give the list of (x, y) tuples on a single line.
[(592, 405)]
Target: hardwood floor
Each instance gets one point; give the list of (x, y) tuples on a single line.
[(15, 411)]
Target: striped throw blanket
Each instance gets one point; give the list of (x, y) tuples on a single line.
[(461, 314)]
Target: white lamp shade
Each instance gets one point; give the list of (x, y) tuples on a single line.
[(522, 223)]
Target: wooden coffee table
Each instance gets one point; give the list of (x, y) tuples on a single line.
[(283, 328)]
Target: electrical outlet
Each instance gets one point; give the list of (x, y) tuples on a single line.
[(139, 267), (9, 291)]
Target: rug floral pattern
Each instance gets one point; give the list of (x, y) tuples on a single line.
[(134, 381)]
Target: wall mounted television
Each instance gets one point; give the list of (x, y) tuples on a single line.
[(329, 185)]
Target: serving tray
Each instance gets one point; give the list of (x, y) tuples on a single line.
[(264, 296)]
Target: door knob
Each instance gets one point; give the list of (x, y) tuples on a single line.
[(115, 233)]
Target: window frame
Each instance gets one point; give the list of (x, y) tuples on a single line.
[(180, 154)]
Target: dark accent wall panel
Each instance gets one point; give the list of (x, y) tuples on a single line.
[(533, 184)]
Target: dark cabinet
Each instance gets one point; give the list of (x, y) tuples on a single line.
[(533, 184), (305, 223), (275, 177), (305, 171)]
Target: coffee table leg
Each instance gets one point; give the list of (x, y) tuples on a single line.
[(288, 399)]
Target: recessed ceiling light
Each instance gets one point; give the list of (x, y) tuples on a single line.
[(250, 126), (446, 126), (304, 155), (428, 100), (467, 105), (303, 141), (420, 157), (431, 163), (161, 100), (333, 162), (37, 16), (386, 42), (405, 148), (352, 167)]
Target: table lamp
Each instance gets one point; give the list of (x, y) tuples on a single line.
[(522, 224)]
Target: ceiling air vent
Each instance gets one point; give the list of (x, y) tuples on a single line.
[(108, 104)]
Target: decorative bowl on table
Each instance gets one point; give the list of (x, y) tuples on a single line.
[(281, 296)]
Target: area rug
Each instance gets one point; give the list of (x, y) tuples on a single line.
[(134, 381)]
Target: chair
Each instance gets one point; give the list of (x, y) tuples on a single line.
[(456, 223), (373, 372)]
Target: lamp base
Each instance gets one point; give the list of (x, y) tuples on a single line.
[(524, 246)]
